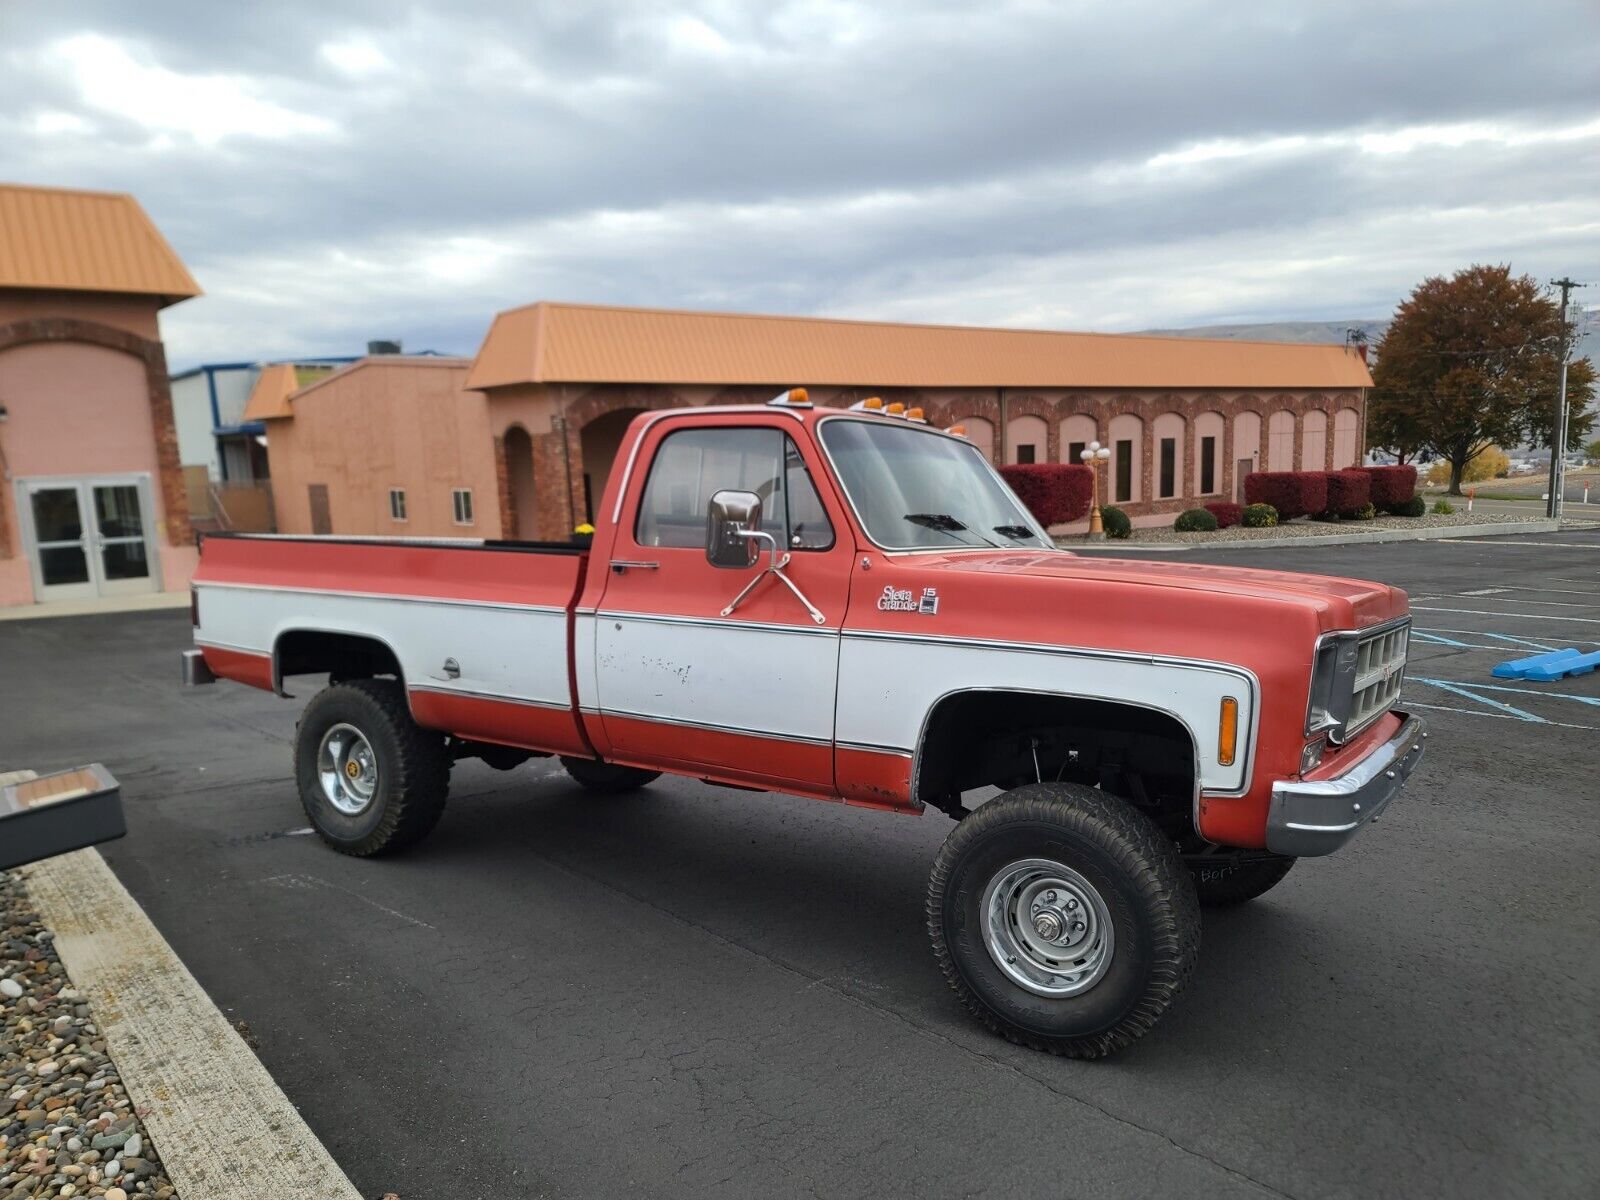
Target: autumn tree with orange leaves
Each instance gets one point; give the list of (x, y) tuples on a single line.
[(1473, 361)]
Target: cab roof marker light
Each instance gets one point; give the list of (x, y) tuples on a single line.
[(793, 398), (915, 414), (959, 431), (870, 404), (896, 409)]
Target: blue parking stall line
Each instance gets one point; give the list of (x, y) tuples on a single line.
[(1418, 635), (1498, 716), (1523, 691), (1461, 690)]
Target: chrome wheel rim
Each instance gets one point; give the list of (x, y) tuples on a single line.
[(1047, 928), (348, 769)]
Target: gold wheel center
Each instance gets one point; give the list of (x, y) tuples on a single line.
[(352, 768)]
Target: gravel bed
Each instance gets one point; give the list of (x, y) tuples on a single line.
[(67, 1127), (1300, 529)]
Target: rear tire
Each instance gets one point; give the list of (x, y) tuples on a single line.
[(608, 778), (371, 779), (1233, 883), (1063, 919)]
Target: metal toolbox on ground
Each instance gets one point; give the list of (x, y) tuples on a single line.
[(52, 814)]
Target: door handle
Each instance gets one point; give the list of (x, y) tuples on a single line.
[(619, 565)]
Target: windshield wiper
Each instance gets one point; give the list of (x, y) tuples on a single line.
[(1015, 532), (945, 523)]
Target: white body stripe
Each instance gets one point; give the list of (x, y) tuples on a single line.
[(510, 652), (887, 686), (718, 674)]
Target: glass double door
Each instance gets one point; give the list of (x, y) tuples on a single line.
[(89, 537)]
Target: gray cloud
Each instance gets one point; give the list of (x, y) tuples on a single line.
[(346, 168)]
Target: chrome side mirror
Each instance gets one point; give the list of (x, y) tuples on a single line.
[(731, 518)]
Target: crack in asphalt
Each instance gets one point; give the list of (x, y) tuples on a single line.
[(817, 980)]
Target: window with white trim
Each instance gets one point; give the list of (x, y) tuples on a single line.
[(461, 498), (397, 504)]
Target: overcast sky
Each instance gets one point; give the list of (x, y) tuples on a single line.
[(334, 170)]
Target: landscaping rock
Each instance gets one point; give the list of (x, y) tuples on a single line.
[(62, 1105)]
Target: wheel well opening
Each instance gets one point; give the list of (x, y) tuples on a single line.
[(1006, 739), (338, 655)]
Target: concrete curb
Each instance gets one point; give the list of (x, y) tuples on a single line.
[(1431, 533), (204, 1097), (95, 608)]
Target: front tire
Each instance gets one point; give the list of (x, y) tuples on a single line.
[(371, 779), (1063, 919), (1225, 883)]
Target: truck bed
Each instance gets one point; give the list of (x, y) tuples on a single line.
[(480, 630)]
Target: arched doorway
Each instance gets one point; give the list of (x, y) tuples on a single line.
[(1280, 441), (598, 441), (1314, 441), (1027, 440), (519, 479)]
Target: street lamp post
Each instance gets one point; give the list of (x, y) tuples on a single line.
[(1093, 455)]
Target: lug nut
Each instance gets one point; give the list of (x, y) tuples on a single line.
[(1049, 897), (1072, 904)]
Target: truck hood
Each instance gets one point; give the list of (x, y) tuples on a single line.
[(1369, 603)]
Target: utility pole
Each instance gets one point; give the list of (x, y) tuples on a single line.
[(1558, 440)]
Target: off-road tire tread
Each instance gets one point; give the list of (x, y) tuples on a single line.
[(1255, 879), (419, 781), (1147, 857)]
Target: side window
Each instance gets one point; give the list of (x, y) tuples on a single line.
[(692, 465)]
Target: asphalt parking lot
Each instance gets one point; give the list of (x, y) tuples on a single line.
[(694, 991)]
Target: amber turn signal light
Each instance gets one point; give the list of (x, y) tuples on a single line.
[(1228, 732), (873, 403), (896, 409)]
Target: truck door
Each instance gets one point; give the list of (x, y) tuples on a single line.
[(745, 696)]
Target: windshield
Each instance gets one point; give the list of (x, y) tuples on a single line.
[(917, 491)]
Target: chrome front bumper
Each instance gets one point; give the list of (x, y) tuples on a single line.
[(1310, 818)]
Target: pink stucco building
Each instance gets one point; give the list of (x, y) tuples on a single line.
[(91, 494)]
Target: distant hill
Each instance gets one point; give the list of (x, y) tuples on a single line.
[(1284, 331), (1334, 331)]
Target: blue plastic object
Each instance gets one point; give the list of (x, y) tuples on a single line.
[(1546, 667), (1581, 665)]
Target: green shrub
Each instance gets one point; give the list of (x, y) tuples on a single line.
[(1116, 522), (1413, 507), (1195, 520), (1366, 512), (1259, 516), (1443, 507)]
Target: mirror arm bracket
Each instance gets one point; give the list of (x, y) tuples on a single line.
[(775, 569)]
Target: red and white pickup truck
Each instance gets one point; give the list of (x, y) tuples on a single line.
[(852, 606)]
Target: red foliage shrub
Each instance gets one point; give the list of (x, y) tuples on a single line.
[(1348, 491), (1055, 493), (1225, 513), (1292, 493), (1391, 486)]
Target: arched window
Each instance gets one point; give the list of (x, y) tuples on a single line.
[(1126, 434)]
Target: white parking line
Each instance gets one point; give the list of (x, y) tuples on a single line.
[(1520, 542), (1505, 616), (1511, 600)]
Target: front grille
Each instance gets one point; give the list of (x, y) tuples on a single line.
[(1380, 667)]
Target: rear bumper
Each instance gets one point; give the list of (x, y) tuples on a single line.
[(1311, 818), (195, 670)]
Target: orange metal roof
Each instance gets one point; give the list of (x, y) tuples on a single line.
[(269, 398), (67, 240), (581, 343)]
